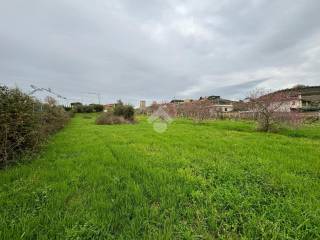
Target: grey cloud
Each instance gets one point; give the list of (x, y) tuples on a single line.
[(158, 49), (241, 89)]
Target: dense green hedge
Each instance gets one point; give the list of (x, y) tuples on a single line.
[(80, 108), (311, 109), (25, 123), (126, 111)]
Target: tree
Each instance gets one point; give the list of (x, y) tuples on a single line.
[(271, 108), (124, 110), (50, 101), (75, 104), (118, 108), (197, 110), (97, 107)]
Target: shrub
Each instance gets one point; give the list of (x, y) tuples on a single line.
[(97, 107), (83, 109), (25, 123), (87, 109), (19, 122), (67, 109), (80, 108), (53, 118), (109, 119), (71, 113), (118, 109), (311, 109), (126, 111)]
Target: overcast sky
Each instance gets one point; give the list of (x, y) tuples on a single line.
[(159, 49)]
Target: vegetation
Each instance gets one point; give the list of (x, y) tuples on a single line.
[(120, 114), (270, 109), (311, 109), (80, 108), (97, 107), (109, 118), (218, 179), (25, 123), (125, 111)]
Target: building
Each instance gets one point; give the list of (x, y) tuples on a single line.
[(177, 101), (299, 98), (108, 107), (142, 105), (221, 104), (224, 107), (180, 101)]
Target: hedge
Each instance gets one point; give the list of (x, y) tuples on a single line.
[(25, 123)]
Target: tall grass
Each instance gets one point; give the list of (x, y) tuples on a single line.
[(213, 180)]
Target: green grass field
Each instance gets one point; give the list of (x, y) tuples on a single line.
[(195, 181)]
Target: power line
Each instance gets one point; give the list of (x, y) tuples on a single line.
[(95, 93), (49, 90)]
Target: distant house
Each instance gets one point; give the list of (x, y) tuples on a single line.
[(309, 97), (310, 101), (108, 107), (189, 106), (301, 98), (224, 105), (177, 101)]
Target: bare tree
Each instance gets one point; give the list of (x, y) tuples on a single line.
[(154, 107), (271, 108), (50, 101), (197, 110), (171, 109)]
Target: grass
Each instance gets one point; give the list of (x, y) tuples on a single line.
[(195, 181)]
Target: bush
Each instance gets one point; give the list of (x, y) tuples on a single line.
[(79, 108), (67, 109), (87, 109), (83, 109), (126, 111), (97, 107), (109, 119), (53, 118), (71, 113), (118, 109), (25, 123), (18, 123), (311, 109)]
